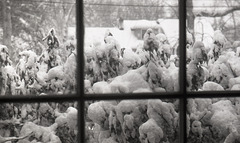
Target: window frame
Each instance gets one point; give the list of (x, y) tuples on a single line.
[(81, 97)]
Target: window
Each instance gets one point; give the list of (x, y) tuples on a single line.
[(185, 101), (38, 71), (139, 33)]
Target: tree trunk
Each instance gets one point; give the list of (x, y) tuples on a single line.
[(65, 23), (235, 27), (7, 25), (190, 18), (234, 23)]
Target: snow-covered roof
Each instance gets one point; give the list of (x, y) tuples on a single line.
[(141, 24), (170, 27), (96, 35)]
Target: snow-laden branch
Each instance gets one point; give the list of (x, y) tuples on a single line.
[(217, 13)]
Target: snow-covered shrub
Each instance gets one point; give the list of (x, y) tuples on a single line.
[(213, 120), (38, 122), (108, 63), (132, 121)]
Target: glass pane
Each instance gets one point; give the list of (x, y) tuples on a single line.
[(132, 121), (131, 46), (213, 120), (212, 45), (37, 47), (39, 122)]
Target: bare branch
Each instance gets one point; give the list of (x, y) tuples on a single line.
[(172, 7), (27, 14), (6, 139), (69, 12)]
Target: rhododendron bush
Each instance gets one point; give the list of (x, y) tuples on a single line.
[(213, 120), (132, 121)]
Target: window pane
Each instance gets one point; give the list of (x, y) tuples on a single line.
[(38, 47), (131, 46), (132, 121), (212, 45), (39, 122), (213, 120)]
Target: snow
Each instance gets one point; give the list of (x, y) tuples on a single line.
[(24, 21), (171, 29), (71, 32), (202, 27), (1, 33), (141, 24)]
